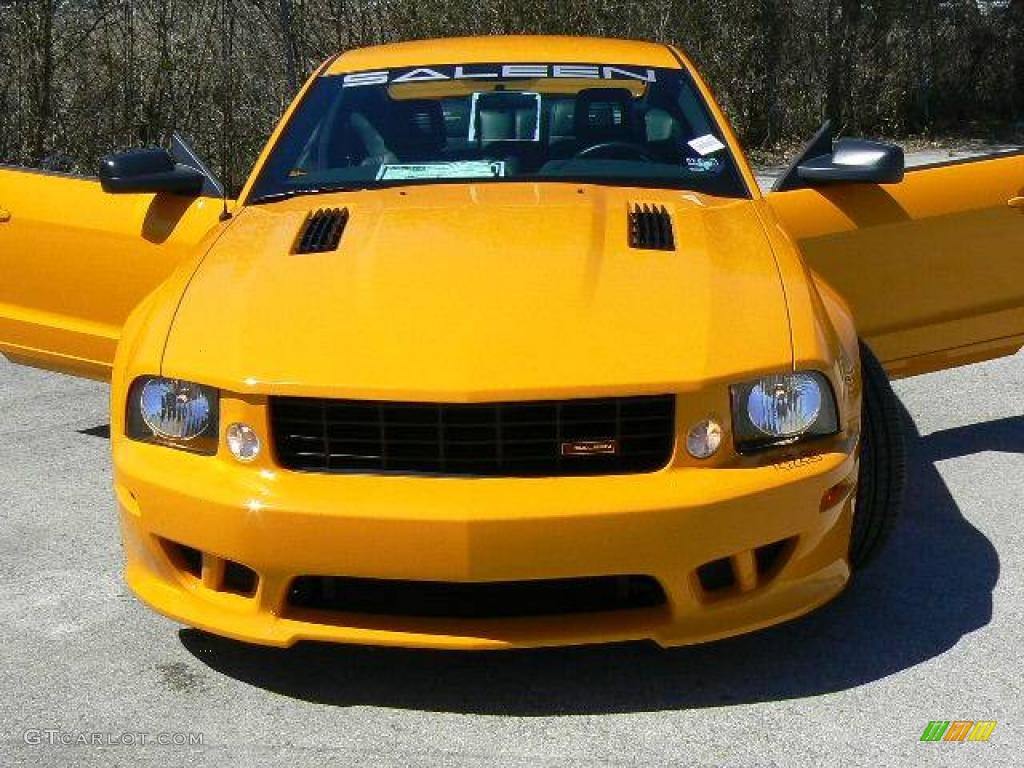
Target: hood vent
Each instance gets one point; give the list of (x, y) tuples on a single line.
[(322, 231), (650, 228)]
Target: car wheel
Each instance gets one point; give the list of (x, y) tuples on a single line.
[(882, 463)]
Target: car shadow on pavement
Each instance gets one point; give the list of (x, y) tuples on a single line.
[(931, 585)]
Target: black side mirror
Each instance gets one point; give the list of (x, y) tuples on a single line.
[(855, 161), (847, 161), (183, 153), (148, 171)]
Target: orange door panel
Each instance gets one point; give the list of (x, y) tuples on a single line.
[(933, 267), (75, 261)]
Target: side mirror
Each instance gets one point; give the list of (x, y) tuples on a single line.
[(148, 171), (856, 161), (181, 151), (823, 160)]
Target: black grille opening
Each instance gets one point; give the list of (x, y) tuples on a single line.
[(239, 579), (508, 599), (770, 556), (525, 439), (716, 575), (650, 228), (186, 558), (322, 230), (236, 578)]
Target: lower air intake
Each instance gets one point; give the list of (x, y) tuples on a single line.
[(491, 600)]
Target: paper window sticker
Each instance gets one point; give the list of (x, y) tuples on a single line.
[(706, 145)]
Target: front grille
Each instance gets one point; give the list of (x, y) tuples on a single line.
[(528, 439), (489, 600)]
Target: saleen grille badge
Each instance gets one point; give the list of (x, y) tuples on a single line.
[(590, 448)]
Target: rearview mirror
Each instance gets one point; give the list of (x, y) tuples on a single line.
[(148, 171), (855, 161)]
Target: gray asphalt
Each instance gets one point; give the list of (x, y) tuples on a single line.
[(933, 631)]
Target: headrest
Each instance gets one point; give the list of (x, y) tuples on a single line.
[(506, 116), (604, 114), (659, 125), (419, 125)]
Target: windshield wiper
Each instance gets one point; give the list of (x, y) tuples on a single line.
[(274, 196)]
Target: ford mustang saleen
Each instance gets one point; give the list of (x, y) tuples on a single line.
[(502, 345)]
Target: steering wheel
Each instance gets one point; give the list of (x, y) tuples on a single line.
[(618, 148)]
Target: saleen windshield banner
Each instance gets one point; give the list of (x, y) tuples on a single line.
[(499, 72)]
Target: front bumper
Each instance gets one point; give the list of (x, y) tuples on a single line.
[(665, 525)]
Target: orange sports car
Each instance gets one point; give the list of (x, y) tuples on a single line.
[(502, 345)]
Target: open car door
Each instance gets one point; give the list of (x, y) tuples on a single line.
[(932, 266), (75, 260)]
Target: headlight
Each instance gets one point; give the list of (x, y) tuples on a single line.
[(781, 409), (173, 412)]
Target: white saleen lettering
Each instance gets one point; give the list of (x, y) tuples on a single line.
[(498, 72)]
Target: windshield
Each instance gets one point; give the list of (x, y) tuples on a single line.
[(606, 124)]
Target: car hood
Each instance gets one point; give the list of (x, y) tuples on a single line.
[(482, 292)]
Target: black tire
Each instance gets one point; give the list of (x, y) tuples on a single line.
[(883, 467)]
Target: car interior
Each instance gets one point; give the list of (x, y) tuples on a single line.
[(526, 132)]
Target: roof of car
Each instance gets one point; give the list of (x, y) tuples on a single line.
[(505, 49)]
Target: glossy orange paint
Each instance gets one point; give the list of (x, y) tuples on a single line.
[(542, 272), (77, 261), (932, 268)]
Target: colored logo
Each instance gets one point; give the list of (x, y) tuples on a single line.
[(958, 730)]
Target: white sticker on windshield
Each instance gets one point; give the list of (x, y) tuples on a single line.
[(706, 145), (466, 169)]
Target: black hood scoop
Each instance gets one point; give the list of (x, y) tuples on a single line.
[(322, 230), (650, 228)]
